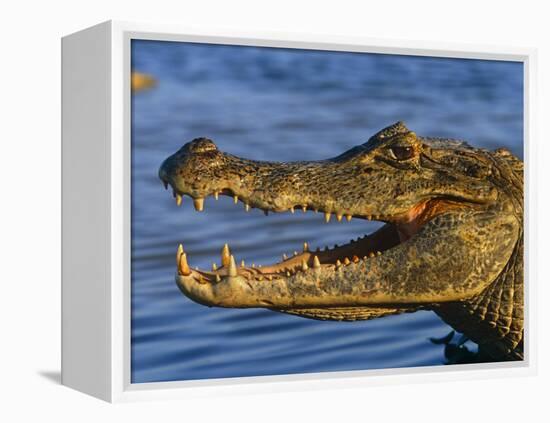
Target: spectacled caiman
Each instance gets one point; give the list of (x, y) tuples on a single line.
[(452, 240)]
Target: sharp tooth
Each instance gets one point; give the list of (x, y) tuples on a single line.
[(179, 253), (226, 254), (218, 278), (327, 217), (178, 200), (355, 259), (316, 262), (371, 254), (306, 247), (346, 261), (378, 253), (183, 266), (199, 204), (235, 199), (304, 209), (284, 257), (369, 217), (339, 217), (246, 207), (216, 195), (253, 264), (338, 263), (232, 267), (348, 217), (165, 184), (287, 274), (295, 253), (269, 278), (260, 278), (304, 265), (242, 263), (291, 210), (214, 267)]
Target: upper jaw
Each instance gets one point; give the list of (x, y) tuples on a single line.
[(251, 198), (269, 186), (274, 187)]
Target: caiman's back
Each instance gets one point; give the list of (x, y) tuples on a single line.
[(494, 319)]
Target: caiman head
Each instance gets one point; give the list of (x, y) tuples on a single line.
[(450, 225)]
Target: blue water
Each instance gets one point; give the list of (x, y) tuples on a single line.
[(281, 104)]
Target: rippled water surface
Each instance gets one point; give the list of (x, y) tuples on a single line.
[(277, 104)]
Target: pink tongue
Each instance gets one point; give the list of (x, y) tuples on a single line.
[(410, 224)]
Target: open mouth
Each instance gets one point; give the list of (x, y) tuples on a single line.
[(396, 230)]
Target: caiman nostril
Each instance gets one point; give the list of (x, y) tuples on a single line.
[(201, 145)]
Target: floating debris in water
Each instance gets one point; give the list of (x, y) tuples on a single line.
[(142, 81)]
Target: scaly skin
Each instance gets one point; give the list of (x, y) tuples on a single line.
[(452, 243)]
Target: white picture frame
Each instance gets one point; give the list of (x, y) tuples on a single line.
[(96, 213)]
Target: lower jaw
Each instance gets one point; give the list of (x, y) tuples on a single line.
[(362, 248)]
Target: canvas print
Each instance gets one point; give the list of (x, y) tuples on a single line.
[(324, 211)]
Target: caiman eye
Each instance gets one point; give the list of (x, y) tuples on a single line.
[(401, 152)]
